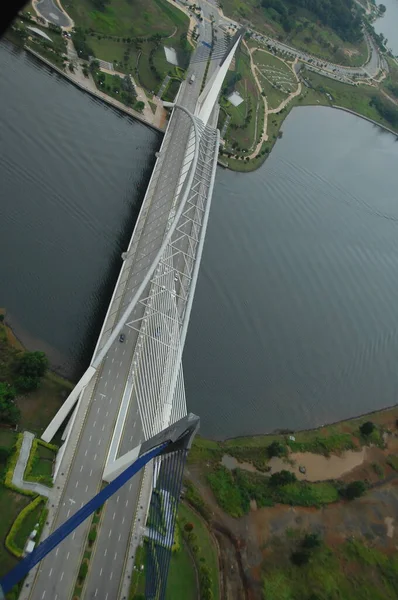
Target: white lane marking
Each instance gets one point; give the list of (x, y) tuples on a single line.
[(106, 551), (87, 488), (122, 520), (95, 456), (103, 427), (130, 486), (91, 472), (110, 401), (117, 374), (110, 533), (62, 576), (99, 443), (114, 387), (50, 573), (115, 557), (85, 454), (89, 439), (113, 359), (131, 438), (106, 597), (117, 499), (44, 593), (98, 409), (73, 535), (111, 575), (127, 502), (109, 372), (68, 513), (81, 468), (100, 571), (120, 535), (94, 423), (107, 413), (77, 483), (56, 553), (124, 352), (114, 515), (106, 383), (96, 591), (67, 556), (121, 362)]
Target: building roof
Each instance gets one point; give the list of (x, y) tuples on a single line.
[(40, 32)]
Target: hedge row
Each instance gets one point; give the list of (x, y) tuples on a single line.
[(10, 469), (10, 544)]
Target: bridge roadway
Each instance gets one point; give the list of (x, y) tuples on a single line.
[(57, 573)]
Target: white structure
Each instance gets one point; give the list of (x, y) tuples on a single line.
[(40, 33)]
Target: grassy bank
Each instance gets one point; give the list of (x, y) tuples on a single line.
[(351, 570)]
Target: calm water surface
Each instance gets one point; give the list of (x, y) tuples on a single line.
[(294, 321), (73, 173), (388, 25)]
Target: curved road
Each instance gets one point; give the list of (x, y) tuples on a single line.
[(52, 13)]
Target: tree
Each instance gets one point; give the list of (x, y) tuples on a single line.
[(33, 364), (276, 449), (300, 557), (188, 526), (4, 454), (26, 384), (367, 428), (355, 489), (382, 9), (282, 478), (85, 71)]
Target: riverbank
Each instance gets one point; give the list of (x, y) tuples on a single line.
[(86, 87)]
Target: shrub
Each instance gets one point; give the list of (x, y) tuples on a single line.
[(311, 541), (10, 542), (355, 489), (300, 557), (282, 478), (33, 364), (276, 449), (83, 571), (188, 526), (367, 428), (26, 384), (92, 536)]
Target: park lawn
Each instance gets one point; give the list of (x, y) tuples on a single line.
[(114, 52), (207, 547), (244, 136), (11, 505), (171, 90), (181, 580), (28, 525), (133, 18), (264, 58), (273, 95), (42, 470)]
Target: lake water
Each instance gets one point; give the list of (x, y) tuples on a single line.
[(73, 173), (294, 322), (388, 25)]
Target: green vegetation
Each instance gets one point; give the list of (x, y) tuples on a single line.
[(24, 524), (83, 569), (137, 588), (195, 499), (126, 18), (203, 550), (247, 119), (234, 491), (40, 463), (393, 462), (352, 570), (276, 78), (181, 581), (53, 51), (121, 89)]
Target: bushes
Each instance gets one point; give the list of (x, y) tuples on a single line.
[(234, 490), (195, 499), (10, 539), (83, 571), (306, 549), (352, 490), (276, 449), (367, 428)]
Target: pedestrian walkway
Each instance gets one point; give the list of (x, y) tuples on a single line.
[(163, 86), (17, 478)]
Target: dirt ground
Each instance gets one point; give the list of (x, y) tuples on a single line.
[(243, 542)]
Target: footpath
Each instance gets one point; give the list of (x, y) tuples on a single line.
[(17, 478)]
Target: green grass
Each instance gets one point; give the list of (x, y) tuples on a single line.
[(138, 577), (207, 549), (28, 526), (128, 18), (181, 580), (393, 461), (11, 505)]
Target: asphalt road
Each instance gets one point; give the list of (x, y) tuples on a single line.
[(50, 11), (57, 573)]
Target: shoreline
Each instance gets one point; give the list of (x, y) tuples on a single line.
[(107, 100), (282, 431)]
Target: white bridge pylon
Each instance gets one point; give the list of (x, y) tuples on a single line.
[(164, 297)]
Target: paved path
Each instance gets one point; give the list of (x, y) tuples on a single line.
[(51, 11), (17, 478)]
